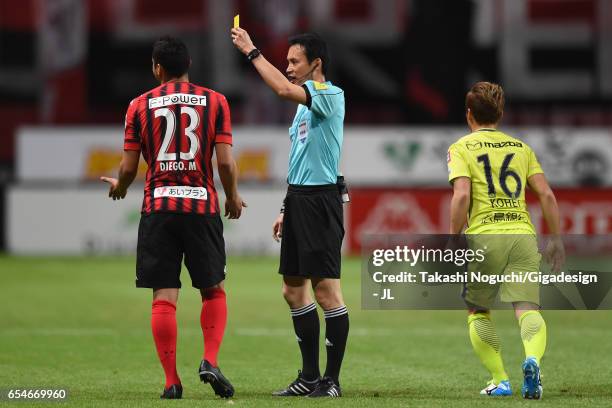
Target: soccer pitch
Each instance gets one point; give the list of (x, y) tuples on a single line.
[(80, 324)]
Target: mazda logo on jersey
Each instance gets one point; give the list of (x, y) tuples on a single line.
[(473, 146), (503, 144), (479, 145), (177, 98)]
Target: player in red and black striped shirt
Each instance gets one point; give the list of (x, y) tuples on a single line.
[(176, 127)]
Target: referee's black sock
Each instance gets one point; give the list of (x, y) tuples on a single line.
[(306, 325), (336, 333)]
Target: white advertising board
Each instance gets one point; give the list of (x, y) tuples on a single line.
[(85, 221), (371, 156), (411, 157), (86, 153)]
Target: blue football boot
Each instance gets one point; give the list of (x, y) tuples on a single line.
[(532, 384), (502, 389)]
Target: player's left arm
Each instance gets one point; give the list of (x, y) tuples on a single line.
[(460, 204), (554, 253), (268, 72)]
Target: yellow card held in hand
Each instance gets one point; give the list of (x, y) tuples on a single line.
[(237, 21)]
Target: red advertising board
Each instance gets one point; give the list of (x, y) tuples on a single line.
[(426, 211)]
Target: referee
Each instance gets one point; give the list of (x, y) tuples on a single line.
[(311, 220)]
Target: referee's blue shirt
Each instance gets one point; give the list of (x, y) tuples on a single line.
[(316, 135)]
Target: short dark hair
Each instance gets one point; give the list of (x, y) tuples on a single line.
[(172, 54), (486, 102), (314, 47)]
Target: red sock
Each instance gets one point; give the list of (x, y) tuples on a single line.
[(163, 325), (212, 320)]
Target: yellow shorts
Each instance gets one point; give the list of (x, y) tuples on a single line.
[(505, 257)]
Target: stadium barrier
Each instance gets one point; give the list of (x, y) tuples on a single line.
[(398, 156), (405, 211), (82, 220), (74, 220), (397, 179)]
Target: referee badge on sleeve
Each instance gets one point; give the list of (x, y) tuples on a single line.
[(319, 86)]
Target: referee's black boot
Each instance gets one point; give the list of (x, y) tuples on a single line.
[(297, 388), (174, 391), (218, 382), (326, 388)]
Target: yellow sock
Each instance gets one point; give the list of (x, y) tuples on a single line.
[(533, 334), (486, 344)]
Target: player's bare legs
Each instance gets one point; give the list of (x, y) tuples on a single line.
[(328, 293), (533, 335), (329, 296), (523, 307), (487, 347), (220, 285), (213, 319), (163, 326), (168, 294), (296, 291)]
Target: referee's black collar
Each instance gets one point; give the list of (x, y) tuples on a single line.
[(486, 130)]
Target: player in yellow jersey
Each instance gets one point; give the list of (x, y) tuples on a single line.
[(489, 172)]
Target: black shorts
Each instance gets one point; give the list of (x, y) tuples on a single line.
[(163, 238), (313, 230)]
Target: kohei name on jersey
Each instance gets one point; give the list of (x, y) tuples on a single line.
[(177, 98)]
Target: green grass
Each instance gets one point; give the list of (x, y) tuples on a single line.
[(80, 324)]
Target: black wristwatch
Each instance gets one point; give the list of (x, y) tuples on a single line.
[(253, 54)]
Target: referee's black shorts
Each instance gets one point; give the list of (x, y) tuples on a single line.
[(163, 239), (312, 233)]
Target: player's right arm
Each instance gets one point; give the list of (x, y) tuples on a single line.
[(459, 176), (268, 72), (131, 155), (460, 204), (277, 226), (554, 253)]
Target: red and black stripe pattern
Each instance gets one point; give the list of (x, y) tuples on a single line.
[(176, 126)]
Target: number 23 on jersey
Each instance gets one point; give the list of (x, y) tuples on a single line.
[(168, 161)]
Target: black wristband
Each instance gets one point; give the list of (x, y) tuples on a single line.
[(253, 54)]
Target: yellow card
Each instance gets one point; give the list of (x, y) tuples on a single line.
[(237, 21)]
